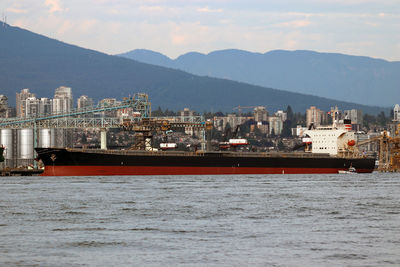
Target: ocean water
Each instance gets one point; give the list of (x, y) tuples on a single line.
[(244, 220)]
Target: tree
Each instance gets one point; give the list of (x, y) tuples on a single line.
[(382, 119), (289, 113), (158, 112), (287, 129)]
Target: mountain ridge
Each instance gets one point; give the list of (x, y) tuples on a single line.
[(30, 60), (358, 79)]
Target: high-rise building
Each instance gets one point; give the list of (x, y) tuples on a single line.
[(355, 115), (3, 106), (233, 120), (315, 116), (20, 101), (63, 103), (63, 100), (281, 114), (84, 102), (34, 107), (260, 114), (31, 107), (275, 125), (45, 106), (396, 113)]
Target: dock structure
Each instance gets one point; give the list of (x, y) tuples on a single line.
[(20, 136), (20, 172), (389, 150)]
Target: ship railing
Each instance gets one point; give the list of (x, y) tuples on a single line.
[(201, 153)]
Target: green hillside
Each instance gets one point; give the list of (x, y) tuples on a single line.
[(29, 60)]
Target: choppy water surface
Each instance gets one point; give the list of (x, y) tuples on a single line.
[(261, 220)]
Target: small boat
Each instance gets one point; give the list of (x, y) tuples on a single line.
[(351, 170)]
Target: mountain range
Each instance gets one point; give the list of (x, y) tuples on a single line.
[(344, 77), (30, 60)]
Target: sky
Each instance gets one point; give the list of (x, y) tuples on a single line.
[(174, 27)]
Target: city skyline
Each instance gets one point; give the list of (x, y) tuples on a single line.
[(355, 27)]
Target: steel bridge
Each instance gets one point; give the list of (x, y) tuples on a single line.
[(76, 118), (93, 118)]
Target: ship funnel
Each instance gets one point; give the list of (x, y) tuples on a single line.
[(347, 124)]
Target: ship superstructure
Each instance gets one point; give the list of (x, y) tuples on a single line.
[(336, 140)]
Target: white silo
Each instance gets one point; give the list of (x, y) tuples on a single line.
[(53, 138), (44, 138), (26, 144), (7, 142)]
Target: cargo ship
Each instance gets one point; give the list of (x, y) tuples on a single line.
[(96, 162), (328, 150)]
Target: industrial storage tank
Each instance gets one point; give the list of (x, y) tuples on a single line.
[(26, 144), (7, 142), (53, 138), (44, 138)]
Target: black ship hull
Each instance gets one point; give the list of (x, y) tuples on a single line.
[(79, 162)]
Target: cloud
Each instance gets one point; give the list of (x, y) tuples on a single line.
[(208, 10), (53, 5), (295, 24), (173, 27), (16, 10)]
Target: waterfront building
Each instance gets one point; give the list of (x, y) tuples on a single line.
[(396, 113), (63, 100), (355, 115), (11, 113), (35, 107), (31, 105), (21, 103), (275, 125), (281, 114), (260, 114), (45, 106), (3, 106), (315, 116), (263, 126), (84, 102), (233, 120)]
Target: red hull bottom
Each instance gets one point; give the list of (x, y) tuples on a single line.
[(145, 170)]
